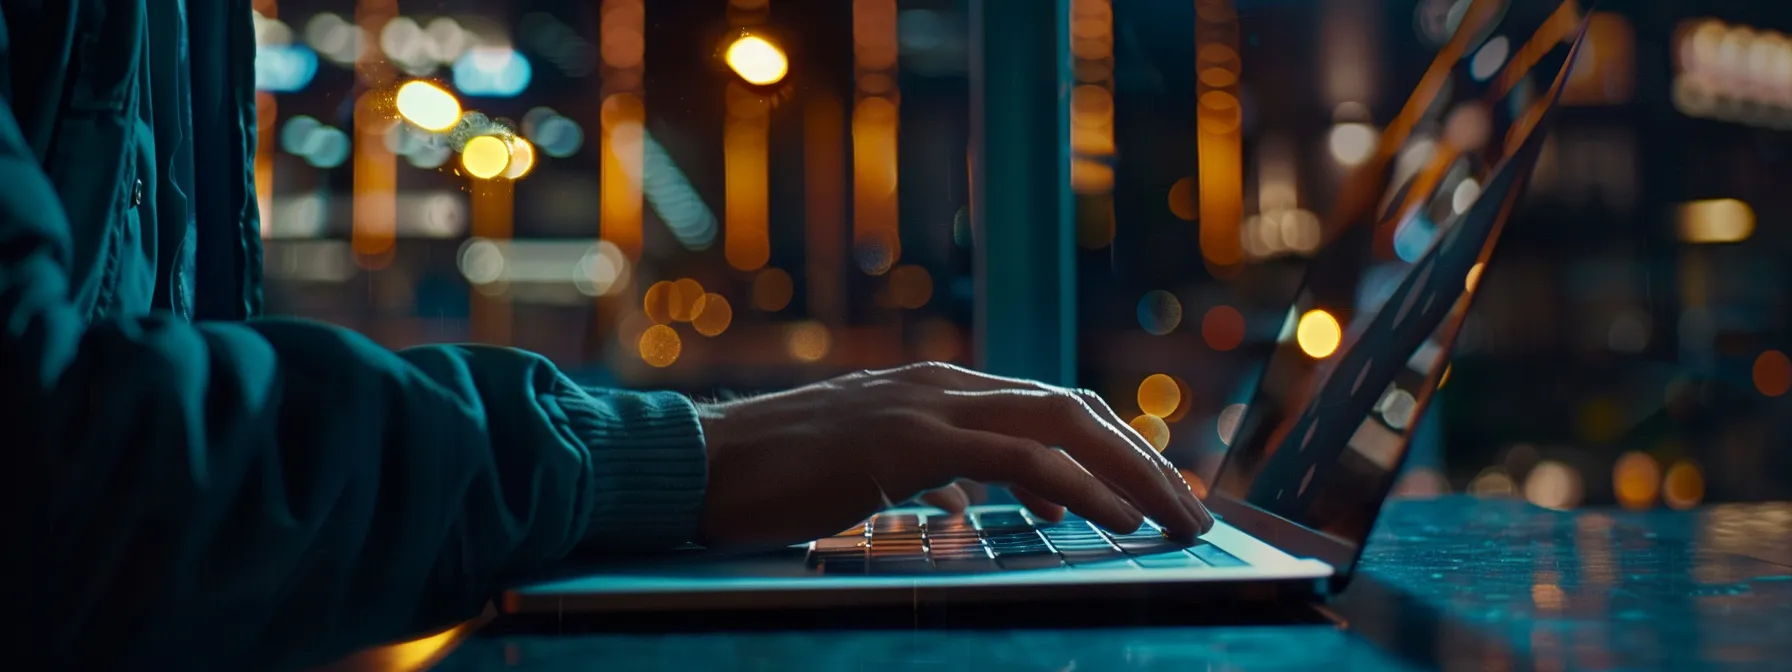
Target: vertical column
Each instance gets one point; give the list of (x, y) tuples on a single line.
[(824, 177), (746, 214), (266, 115), (375, 218), (877, 242), (1219, 138), (746, 130), (1020, 189), (1092, 121), (623, 46), (491, 316)]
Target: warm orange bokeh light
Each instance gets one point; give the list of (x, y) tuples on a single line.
[(910, 286), (1636, 480), (1319, 334), (808, 341), (660, 346), (1684, 486), (657, 302), (772, 290), (1153, 429), (1773, 373), (1195, 483), (1222, 328), (485, 157), (757, 60), (716, 315), (685, 302), (1159, 395), (1183, 202)]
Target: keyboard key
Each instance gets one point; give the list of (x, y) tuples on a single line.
[(856, 531), (948, 521), (891, 522), (959, 553), (1167, 560), (1003, 520), (1213, 556), (1091, 557), (1147, 547), (836, 544)]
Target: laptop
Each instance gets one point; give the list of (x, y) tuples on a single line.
[(1316, 452)]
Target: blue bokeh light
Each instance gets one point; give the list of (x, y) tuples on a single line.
[(284, 68), (496, 72)]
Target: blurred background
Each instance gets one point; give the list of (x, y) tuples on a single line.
[(720, 196)]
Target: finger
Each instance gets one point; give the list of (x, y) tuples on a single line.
[(1052, 475), (1042, 508), (951, 498), (1178, 484), (1064, 419), (952, 377), (978, 492)]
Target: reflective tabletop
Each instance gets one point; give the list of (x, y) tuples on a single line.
[(1451, 583)]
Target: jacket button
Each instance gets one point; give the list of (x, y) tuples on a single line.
[(137, 194)]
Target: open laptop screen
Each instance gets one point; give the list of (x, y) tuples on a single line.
[(1364, 345)]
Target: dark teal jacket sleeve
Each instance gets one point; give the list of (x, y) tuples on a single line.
[(256, 495)]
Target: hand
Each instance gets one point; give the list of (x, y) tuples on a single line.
[(809, 462)]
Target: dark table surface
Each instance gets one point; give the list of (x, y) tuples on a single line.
[(1457, 583)]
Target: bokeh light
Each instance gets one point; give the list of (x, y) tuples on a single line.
[(1773, 373), (911, 286), (485, 157), (1155, 431), (772, 290), (1159, 395), (1318, 334), (660, 346), (657, 302), (1684, 485), (1636, 479), (428, 106), (1159, 312), (716, 316), (1721, 220), (1352, 143), (685, 301), (1196, 484), (1184, 201), (522, 158), (1493, 483), (1222, 328), (499, 72), (1553, 485), (808, 341), (757, 60)]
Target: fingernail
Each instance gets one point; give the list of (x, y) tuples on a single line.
[(1135, 519), (1203, 518)]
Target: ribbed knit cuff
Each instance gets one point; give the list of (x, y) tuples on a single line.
[(649, 468)]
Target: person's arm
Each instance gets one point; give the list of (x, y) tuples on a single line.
[(281, 489)]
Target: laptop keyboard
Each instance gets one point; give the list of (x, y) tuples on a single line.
[(997, 540)]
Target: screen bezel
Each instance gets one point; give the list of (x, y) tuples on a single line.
[(1363, 191)]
